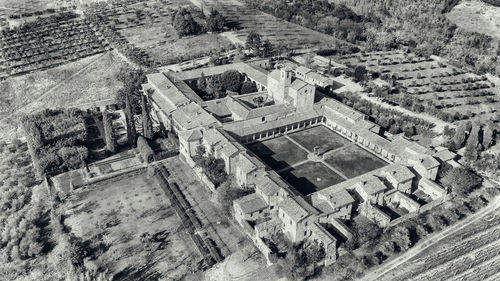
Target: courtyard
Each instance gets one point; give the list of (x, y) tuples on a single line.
[(339, 160)]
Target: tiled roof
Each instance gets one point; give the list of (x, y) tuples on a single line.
[(258, 75), (373, 186), (445, 155), (322, 234), (400, 173), (191, 116), (240, 129), (251, 203), (429, 162), (338, 199), (297, 208), (167, 89), (266, 185), (303, 70), (298, 84)]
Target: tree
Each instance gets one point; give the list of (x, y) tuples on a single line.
[(109, 132), (215, 21), (129, 117), (259, 101), (254, 41), (232, 80), (474, 138), (461, 181), (360, 73), (132, 80), (215, 87), (248, 87), (184, 23), (460, 134), (266, 49), (201, 83), (147, 124), (488, 135)]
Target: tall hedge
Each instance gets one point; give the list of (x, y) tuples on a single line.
[(129, 117), (109, 132), (147, 124)]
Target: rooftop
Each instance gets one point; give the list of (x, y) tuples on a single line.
[(372, 186), (251, 203), (297, 208), (191, 116), (400, 173)]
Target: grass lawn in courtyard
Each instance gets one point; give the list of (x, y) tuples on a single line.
[(320, 136), (310, 177), (278, 153), (353, 161)]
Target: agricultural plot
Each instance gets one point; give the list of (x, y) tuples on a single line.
[(148, 26), (444, 86), (114, 217), (47, 43), (277, 31), (469, 254)]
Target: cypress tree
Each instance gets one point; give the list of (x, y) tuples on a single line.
[(109, 132), (147, 124), (129, 116)]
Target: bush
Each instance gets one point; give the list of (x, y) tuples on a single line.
[(145, 150)]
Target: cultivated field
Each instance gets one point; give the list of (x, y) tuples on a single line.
[(114, 216), (471, 253), (277, 31), (288, 155), (86, 80), (477, 16), (448, 88)]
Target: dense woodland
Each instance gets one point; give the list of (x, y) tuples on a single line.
[(57, 140), (390, 24)]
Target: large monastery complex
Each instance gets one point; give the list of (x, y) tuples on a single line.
[(226, 127)]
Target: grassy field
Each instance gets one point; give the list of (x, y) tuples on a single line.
[(117, 214), (477, 16), (353, 161), (279, 153), (310, 177), (85, 80), (321, 137)]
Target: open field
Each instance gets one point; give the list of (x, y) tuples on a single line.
[(448, 88), (340, 160), (86, 80), (466, 251), (477, 16), (113, 217), (277, 31)]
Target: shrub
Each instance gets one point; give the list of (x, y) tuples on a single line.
[(145, 150)]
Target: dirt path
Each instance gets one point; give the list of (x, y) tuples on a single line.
[(431, 241)]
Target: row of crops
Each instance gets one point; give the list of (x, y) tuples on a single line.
[(464, 254), (431, 81), (47, 44)]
